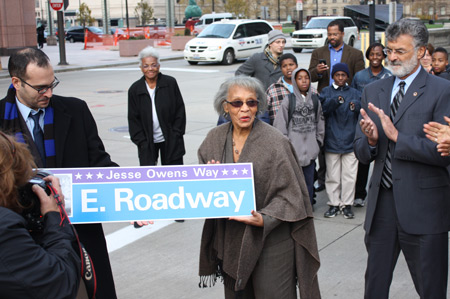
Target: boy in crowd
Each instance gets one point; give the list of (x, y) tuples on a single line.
[(281, 89), (303, 123), (439, 63), (341, 104)]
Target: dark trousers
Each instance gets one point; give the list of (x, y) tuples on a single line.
[(308, 172), (161, 147), (426, 255), (361, 180)]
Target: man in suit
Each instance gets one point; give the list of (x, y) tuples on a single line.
[(61, 133), (408, 206), (335, 52)]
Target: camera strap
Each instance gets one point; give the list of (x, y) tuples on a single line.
[(87, 266), (87, 270)]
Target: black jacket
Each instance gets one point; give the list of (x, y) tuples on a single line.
[(171, 115), (50, 269)]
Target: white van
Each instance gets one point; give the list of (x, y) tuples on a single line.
[(210, 18), (228, 40)]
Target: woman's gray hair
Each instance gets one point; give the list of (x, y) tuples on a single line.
[(414, 28), (148, 52), (249, 83)]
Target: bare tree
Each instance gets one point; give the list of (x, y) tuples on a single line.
[(238, 7), (254, 8), (84, 15), (143, 12)]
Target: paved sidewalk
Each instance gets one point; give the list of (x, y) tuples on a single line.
[(78, 58)]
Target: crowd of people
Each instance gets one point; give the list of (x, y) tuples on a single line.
[(396, 117)]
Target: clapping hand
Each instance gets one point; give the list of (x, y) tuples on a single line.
[(439, 134)]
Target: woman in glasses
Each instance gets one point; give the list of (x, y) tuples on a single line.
[(46, 264), (266, 254), (156, 114)]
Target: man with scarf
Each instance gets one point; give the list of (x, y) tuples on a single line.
[(264, 66), (60, 133)]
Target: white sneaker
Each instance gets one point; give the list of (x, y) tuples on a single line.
[(359, 202)]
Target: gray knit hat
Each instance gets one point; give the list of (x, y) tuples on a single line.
[(274, 35)]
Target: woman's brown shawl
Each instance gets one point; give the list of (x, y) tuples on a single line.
[(280, 192)]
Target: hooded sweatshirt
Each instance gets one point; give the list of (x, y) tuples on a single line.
[(306, 130)]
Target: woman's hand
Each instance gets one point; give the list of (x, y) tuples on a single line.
[(48, 202), (256, 219), (213, 162)]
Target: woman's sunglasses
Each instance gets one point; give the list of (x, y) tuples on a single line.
[(238, 104)]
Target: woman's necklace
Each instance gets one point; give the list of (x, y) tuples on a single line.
[(234, 148)]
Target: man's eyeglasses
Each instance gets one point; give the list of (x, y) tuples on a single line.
[(42, 90), (238, 104), (388, 51)]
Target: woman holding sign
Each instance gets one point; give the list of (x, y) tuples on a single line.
[(266, 254)]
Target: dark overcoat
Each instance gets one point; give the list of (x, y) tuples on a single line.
[(171, 115)]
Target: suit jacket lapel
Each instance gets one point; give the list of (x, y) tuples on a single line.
[(61, 127), (385, 95), (414, 92)]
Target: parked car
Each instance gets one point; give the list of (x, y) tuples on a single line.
[(227, 40), (134, 33), (314, 35), (208, 19), (76, 34)]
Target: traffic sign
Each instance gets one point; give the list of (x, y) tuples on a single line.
[(300, 5), (57, 4)]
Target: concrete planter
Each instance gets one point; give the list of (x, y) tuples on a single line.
[(130, 47), (179, 41)]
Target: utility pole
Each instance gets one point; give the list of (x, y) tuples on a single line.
[(372, 21), (126, 14), (279, 20)]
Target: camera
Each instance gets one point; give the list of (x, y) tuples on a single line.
[(31, 203)]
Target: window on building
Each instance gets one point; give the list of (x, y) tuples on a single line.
[(443, 11), (324, 11), (430, 11), (315, 12), (334, 11), (419, 10), (334, 1), (324, 1)]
